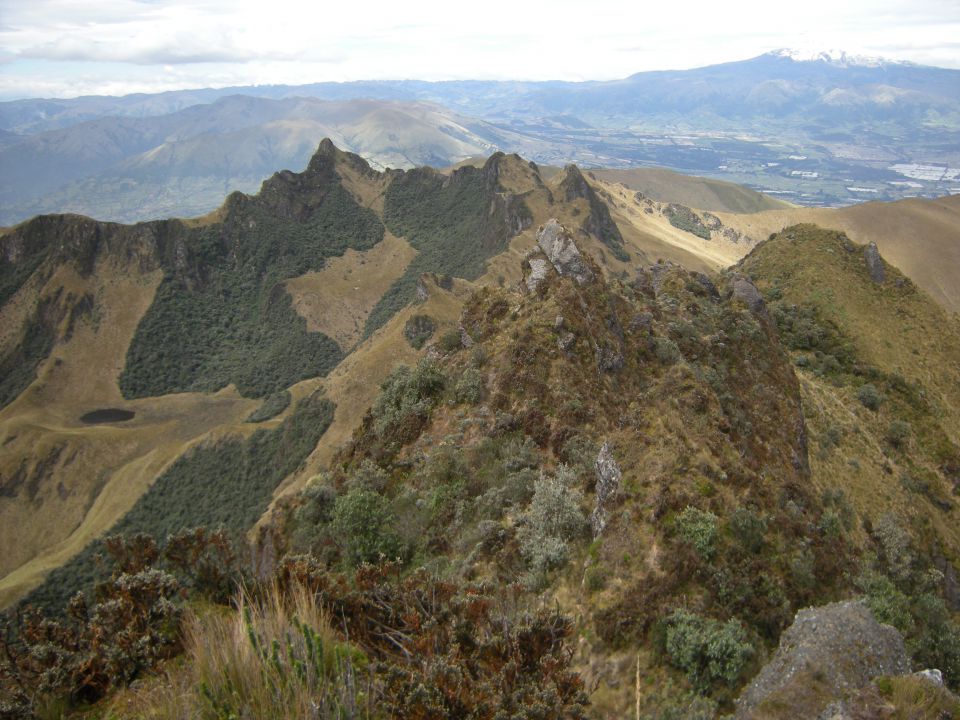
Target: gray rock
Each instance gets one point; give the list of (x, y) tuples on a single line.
[(608, 482), (659, 272), (745, 291), (563, 253), (707, 285), (609, 358), (827, 655), (874, 263), (931, 675), (712, 221), (732, 235), (422, 293), (538, 273)]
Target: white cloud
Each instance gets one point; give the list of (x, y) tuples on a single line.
[(213, 42)]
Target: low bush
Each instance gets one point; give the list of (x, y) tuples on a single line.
[(707, 650), (553, 518), (272, 406), (698, 528), (748, 529), (362, 521), (418, 329), (869, 396), (406, 400)]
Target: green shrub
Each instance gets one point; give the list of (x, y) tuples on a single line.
[(869, 396), (272, 406), (748, 528), (418, 329), (553, 518), (683, 218), (469, 388), (698, 528), (450, 341), (362, 522), (896, 548), (406, 400), (898, 433), (666, 350), (707, 650)]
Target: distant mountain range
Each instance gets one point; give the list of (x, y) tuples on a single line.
[(816, 128)]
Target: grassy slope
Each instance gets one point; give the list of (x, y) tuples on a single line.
[(78, 479), (337, 300), (668, 186), (65, 482), (892, 330), (920, 237), (223, 484)]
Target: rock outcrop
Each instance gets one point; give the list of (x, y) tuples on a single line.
[(562, 252), (608, 482), (538, 273), (824, 658), (874, 263), (745, 291)]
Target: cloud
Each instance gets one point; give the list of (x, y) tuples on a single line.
[(216, 42), (71, 49)]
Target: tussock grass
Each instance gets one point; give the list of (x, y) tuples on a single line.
[(274, 656)]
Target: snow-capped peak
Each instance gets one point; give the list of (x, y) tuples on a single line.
[(838, 58)]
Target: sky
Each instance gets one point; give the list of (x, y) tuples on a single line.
[(65, 48)]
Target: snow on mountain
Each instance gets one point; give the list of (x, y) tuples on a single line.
[(838, 58)]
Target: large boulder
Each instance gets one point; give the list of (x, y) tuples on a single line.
[(608, 482), (827, 656), (744, 290), (871, 255), (562, 252)]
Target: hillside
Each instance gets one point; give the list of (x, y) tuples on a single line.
[(530, 390), (703, 193), (920, 237), (199, 317)]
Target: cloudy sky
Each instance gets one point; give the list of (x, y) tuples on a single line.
[(64, 48)]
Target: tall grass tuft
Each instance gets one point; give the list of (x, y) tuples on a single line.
[(272, 657)]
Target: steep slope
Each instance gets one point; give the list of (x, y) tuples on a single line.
[(704, 193), (849, 331), (470, 454), (920, 237), (180, 319)]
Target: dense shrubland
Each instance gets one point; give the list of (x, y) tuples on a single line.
[(221, 314), (455, 224)]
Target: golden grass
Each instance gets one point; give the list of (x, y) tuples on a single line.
[(73, 481), (272, 657), (704, 193), (655, 238), (920, 237), (913, 698), (338, 299)]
